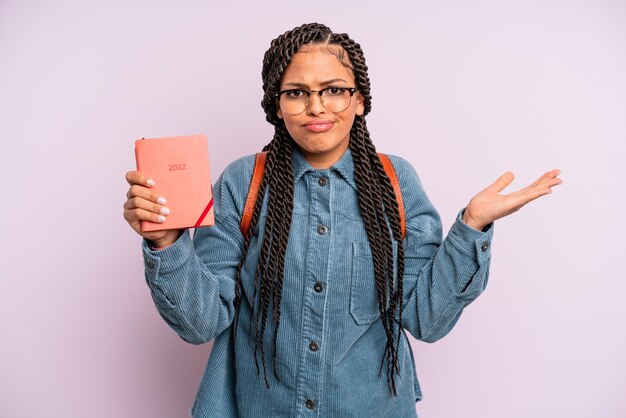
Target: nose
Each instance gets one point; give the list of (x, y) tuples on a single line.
[(315, 106)]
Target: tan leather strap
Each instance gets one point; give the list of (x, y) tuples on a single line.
[(391, 173), (257, 178), (253, 192)]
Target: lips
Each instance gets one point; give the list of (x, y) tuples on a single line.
[(319, 125)]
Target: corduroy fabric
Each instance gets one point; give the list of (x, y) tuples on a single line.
[(193, 286)]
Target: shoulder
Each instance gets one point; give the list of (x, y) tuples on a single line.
[(416, 202), (407, 175), (231, 187), (241, 167)]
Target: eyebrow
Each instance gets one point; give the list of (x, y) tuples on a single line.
[(323, 83)]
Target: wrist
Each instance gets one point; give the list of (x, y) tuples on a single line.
[(471, 222), (166, 241)]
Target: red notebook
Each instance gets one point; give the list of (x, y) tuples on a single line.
[(180, 168)]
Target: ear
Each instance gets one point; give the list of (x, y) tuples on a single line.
[(279, 113), (360, 104)]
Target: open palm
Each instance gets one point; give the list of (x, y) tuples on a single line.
[(489, 204)]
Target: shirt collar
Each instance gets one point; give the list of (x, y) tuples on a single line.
[(345, 166)]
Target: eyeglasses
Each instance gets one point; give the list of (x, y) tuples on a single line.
[(296, 101)]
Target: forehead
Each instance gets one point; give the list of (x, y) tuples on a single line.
[(314, 64)]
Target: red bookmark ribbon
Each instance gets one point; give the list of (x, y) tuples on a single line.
[(204, 213)]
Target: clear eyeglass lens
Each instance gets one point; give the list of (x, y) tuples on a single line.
[(334, 100)]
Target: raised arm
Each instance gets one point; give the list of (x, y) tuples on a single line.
[(192, 282), (442, 277)]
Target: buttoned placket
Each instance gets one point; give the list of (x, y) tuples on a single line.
[(320, 233)]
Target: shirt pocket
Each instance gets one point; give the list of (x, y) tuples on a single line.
[(364, 307)]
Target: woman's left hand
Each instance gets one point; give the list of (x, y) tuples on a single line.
[(489, 205)]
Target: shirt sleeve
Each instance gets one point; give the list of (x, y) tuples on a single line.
[(192, 281), (441, 277)]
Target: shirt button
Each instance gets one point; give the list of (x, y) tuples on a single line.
[(323, 181), (310, 404), (318, 287), (314, 346), (322, 230), (484, 246)]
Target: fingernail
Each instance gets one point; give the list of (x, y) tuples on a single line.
[(165, 211), (150, 182), (161, 201), (161, 218)]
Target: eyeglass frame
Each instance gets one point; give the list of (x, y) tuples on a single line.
[(350, 90)]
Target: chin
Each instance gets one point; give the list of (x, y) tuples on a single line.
[(320, 150), (320, 144)]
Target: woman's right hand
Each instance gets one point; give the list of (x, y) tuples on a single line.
[(144, 205)]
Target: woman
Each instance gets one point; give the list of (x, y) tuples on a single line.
[(308, 308)]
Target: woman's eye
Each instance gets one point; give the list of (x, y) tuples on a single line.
[(294, 94), (335, 91)]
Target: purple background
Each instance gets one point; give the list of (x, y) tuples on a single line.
[(463, 90)]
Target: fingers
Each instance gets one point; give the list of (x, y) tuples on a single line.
[(141, 209), (503, 181), (549, 177), (147, 205), (532, 194), (540, 187), (137, 177), (545, 182), (553, 178), (137, 214), (142, 203), (145, 193)]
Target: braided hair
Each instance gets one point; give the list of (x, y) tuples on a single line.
[(377, 201)]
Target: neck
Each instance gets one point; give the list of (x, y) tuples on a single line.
[(325, 160), (321, 164)]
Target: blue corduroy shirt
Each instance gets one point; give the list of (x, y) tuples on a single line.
[(331, 339)]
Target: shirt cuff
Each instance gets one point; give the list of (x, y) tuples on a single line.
[(169, 258), (160, 248), (471, 241)]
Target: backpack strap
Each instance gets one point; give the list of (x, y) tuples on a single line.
[(257, 178), (391, 173), (253, 192)]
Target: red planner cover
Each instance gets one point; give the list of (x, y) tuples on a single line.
[(180, 168)]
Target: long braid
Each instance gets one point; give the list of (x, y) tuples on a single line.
[(388, 201), (371, 206), (377, 203), (285, 187), (254, 220), (376, 178)]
